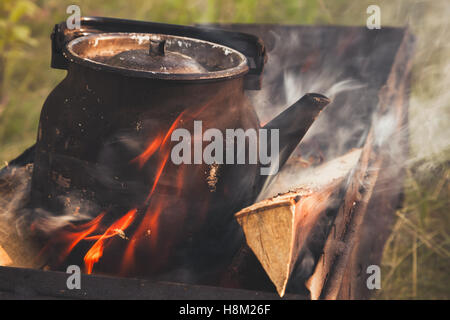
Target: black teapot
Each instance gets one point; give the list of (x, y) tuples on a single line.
[(106, 142)]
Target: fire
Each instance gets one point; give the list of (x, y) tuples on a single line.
[(71, 236), (145, 230), (96, 251), (87, 228), (151, 149), (148, 229)]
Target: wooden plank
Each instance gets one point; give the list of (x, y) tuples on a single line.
[(387, 191), (326, 280), (362, 231)]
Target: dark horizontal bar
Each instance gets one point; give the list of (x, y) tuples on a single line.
[(19, 283)]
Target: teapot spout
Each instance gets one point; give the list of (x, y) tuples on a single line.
[(294, 122)]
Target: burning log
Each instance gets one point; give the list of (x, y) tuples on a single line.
[(364, 219), (279, 228)]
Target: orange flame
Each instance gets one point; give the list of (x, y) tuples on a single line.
[(148, 226), (78, 236), (149, 151), (73, 237), (95, 253), (148, 229), (158, 175)]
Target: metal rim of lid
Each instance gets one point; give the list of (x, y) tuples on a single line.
[(237, 71)]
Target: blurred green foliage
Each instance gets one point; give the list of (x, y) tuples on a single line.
[(13, 34), (416, 261)]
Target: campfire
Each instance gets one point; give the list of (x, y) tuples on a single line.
[(101, 189)]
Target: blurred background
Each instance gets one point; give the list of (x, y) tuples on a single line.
[(416, 262)]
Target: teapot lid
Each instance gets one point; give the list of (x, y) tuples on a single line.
[(157, 56)]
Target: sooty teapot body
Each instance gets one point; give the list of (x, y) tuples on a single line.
[(106, 142)]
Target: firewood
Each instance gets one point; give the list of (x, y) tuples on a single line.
[(5, 260), (14, 193), (277, 228), (294, 175)]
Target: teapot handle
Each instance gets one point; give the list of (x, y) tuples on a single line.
[(249, 45)]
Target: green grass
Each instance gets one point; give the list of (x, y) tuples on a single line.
[(416, 261)]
